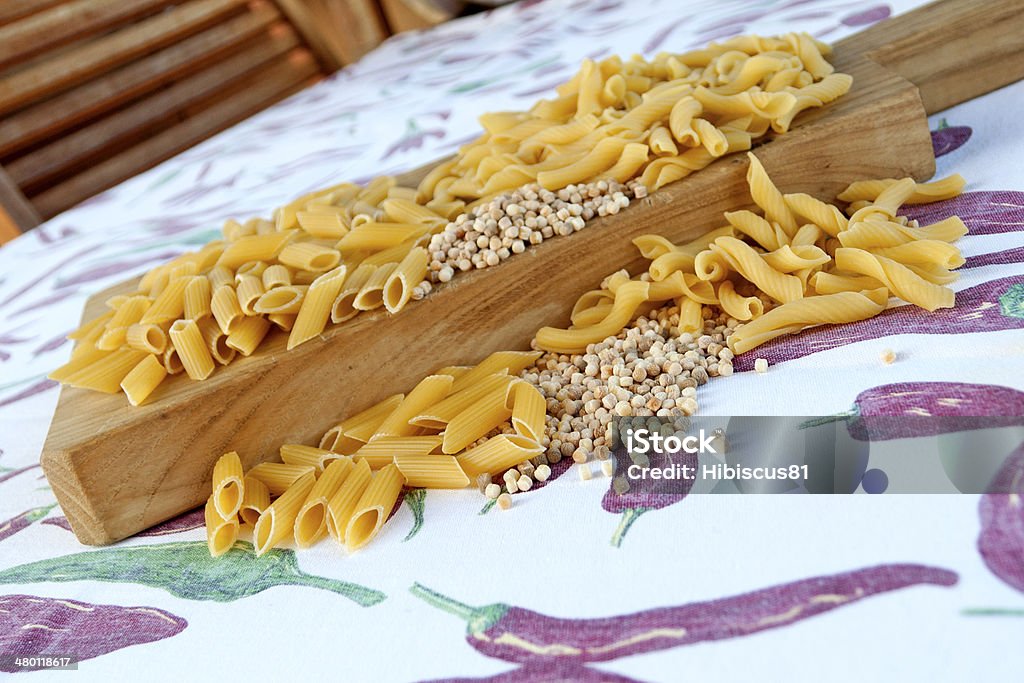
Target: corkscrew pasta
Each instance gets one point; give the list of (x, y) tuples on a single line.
[(777, 280)]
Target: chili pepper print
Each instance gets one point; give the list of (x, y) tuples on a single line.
[(1001, 542), (987, 307), (949, 138), (547, 672), (52, 626), (632, 504), (186, 522), (875, 412), (11, 474), (23, 521), (186, 570), (515, 634), (986, 212)]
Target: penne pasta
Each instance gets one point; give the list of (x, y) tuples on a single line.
[(103, 373), (249, 291), (198, 295), (276, 276), (216, 341), (381, 452), (277, 477), (497, 454), (342, 504), (430, 391), (353, 432), (373, 507), (506, 362), (297, 454), (311, 521), (169, 304), (438, 416), (371, 295), (529, 411), (278, 521), (316, 307), (247, 335), (431, 471), (228, 487), (263, 248), (476, 421), (409, 273), (143, 379), (255, 500), (221, 533), (309, 256), (226, 310)]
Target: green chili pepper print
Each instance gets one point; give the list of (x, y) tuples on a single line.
[(186, 570)]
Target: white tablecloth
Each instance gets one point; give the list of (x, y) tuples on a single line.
[(414, 99)]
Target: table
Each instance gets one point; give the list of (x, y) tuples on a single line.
[(168, 612)]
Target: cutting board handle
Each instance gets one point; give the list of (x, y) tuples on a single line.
[(952, 50)]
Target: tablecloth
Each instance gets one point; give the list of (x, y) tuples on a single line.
[(746, 574)]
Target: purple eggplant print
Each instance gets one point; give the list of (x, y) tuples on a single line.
[(515, 634), (988, 307), (632, 504), (1001, 542), (186, 570), (186, 522), (23, 521), (948, 138), (54, 627), (877, 412)]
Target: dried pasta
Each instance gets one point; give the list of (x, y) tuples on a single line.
[(278, 520), (638, 121), (373, 506), (432, 471)]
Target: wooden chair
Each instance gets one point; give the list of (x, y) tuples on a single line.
[(93, 92)]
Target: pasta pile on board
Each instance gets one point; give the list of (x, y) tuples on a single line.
[(614, 130), (436, 436), (800, 263)]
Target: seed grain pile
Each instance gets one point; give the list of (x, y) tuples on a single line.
[(514, 221)]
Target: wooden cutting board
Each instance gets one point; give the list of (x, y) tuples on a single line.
[(117, 470)]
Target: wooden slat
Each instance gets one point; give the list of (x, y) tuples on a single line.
[(50, 118), (313, 32), (111, 132), (69, 21), (8, 229), (11, 10), (101, 55), (930, 50), (353, 27), (14, 205), (267, 86), (412, 15)]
